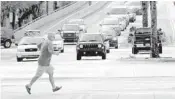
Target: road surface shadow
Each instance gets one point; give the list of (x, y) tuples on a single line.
[(147, 59)]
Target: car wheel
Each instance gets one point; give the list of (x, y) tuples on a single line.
[(116, 47), (7, 44), (108, 51), (62, 51), (104, 56), (78, 57), (160, 48), (19, 59), (134, 50)]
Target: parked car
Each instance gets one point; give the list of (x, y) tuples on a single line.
[(111, 36), (71, 32), (142, 40), (117, 30), (28, 48), (122, 20), (112, 22), (80, 22), (122, 11), (7, 37), (91, 44)]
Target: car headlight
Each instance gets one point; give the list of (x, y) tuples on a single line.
[(147, 39), (99, 45), (81, 46)]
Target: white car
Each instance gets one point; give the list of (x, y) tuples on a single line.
[(28, 47), (112, 22), (111, 36), (122, 20), (121, 11), (80, 22), (58, 43)]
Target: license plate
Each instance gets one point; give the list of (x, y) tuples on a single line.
[(147, 45), (139, 45)]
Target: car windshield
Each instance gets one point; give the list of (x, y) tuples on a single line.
[(31, 41), (110, 22), (118, 11), (108, 33), (58, 37), (80, 22), (70, 28), (91, 38)]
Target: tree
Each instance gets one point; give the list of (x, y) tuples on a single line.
[(12, 6)]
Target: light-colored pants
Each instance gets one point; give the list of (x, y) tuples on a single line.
[(44, 69)]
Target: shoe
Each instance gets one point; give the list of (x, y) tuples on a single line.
[(56, 88), (28, 89)]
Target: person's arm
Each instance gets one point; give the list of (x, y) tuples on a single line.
[(51, 50)]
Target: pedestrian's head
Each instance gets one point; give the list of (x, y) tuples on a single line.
[(51, 36)]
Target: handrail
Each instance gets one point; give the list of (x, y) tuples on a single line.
[(42, 17)]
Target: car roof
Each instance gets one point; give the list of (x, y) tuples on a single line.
[(33, 37), (110, 18), (145, 29), (71, 24), (75, 20), (91, 33), (119, 6), (117, 16), (33, 30)]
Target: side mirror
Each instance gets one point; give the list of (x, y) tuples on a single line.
[(16, 44), (59, 30), (100, 24)]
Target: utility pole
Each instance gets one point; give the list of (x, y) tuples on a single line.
[(154, 36), (145, 13), (47, 8)]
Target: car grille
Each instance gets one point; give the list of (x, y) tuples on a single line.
[(90, 46), (67, 35), (31, 50)]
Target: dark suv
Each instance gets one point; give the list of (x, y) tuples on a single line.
[(91, 44), (142, 40), (7, 37), (70, 32)]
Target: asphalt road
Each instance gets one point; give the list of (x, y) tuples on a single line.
[(121, 76)]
